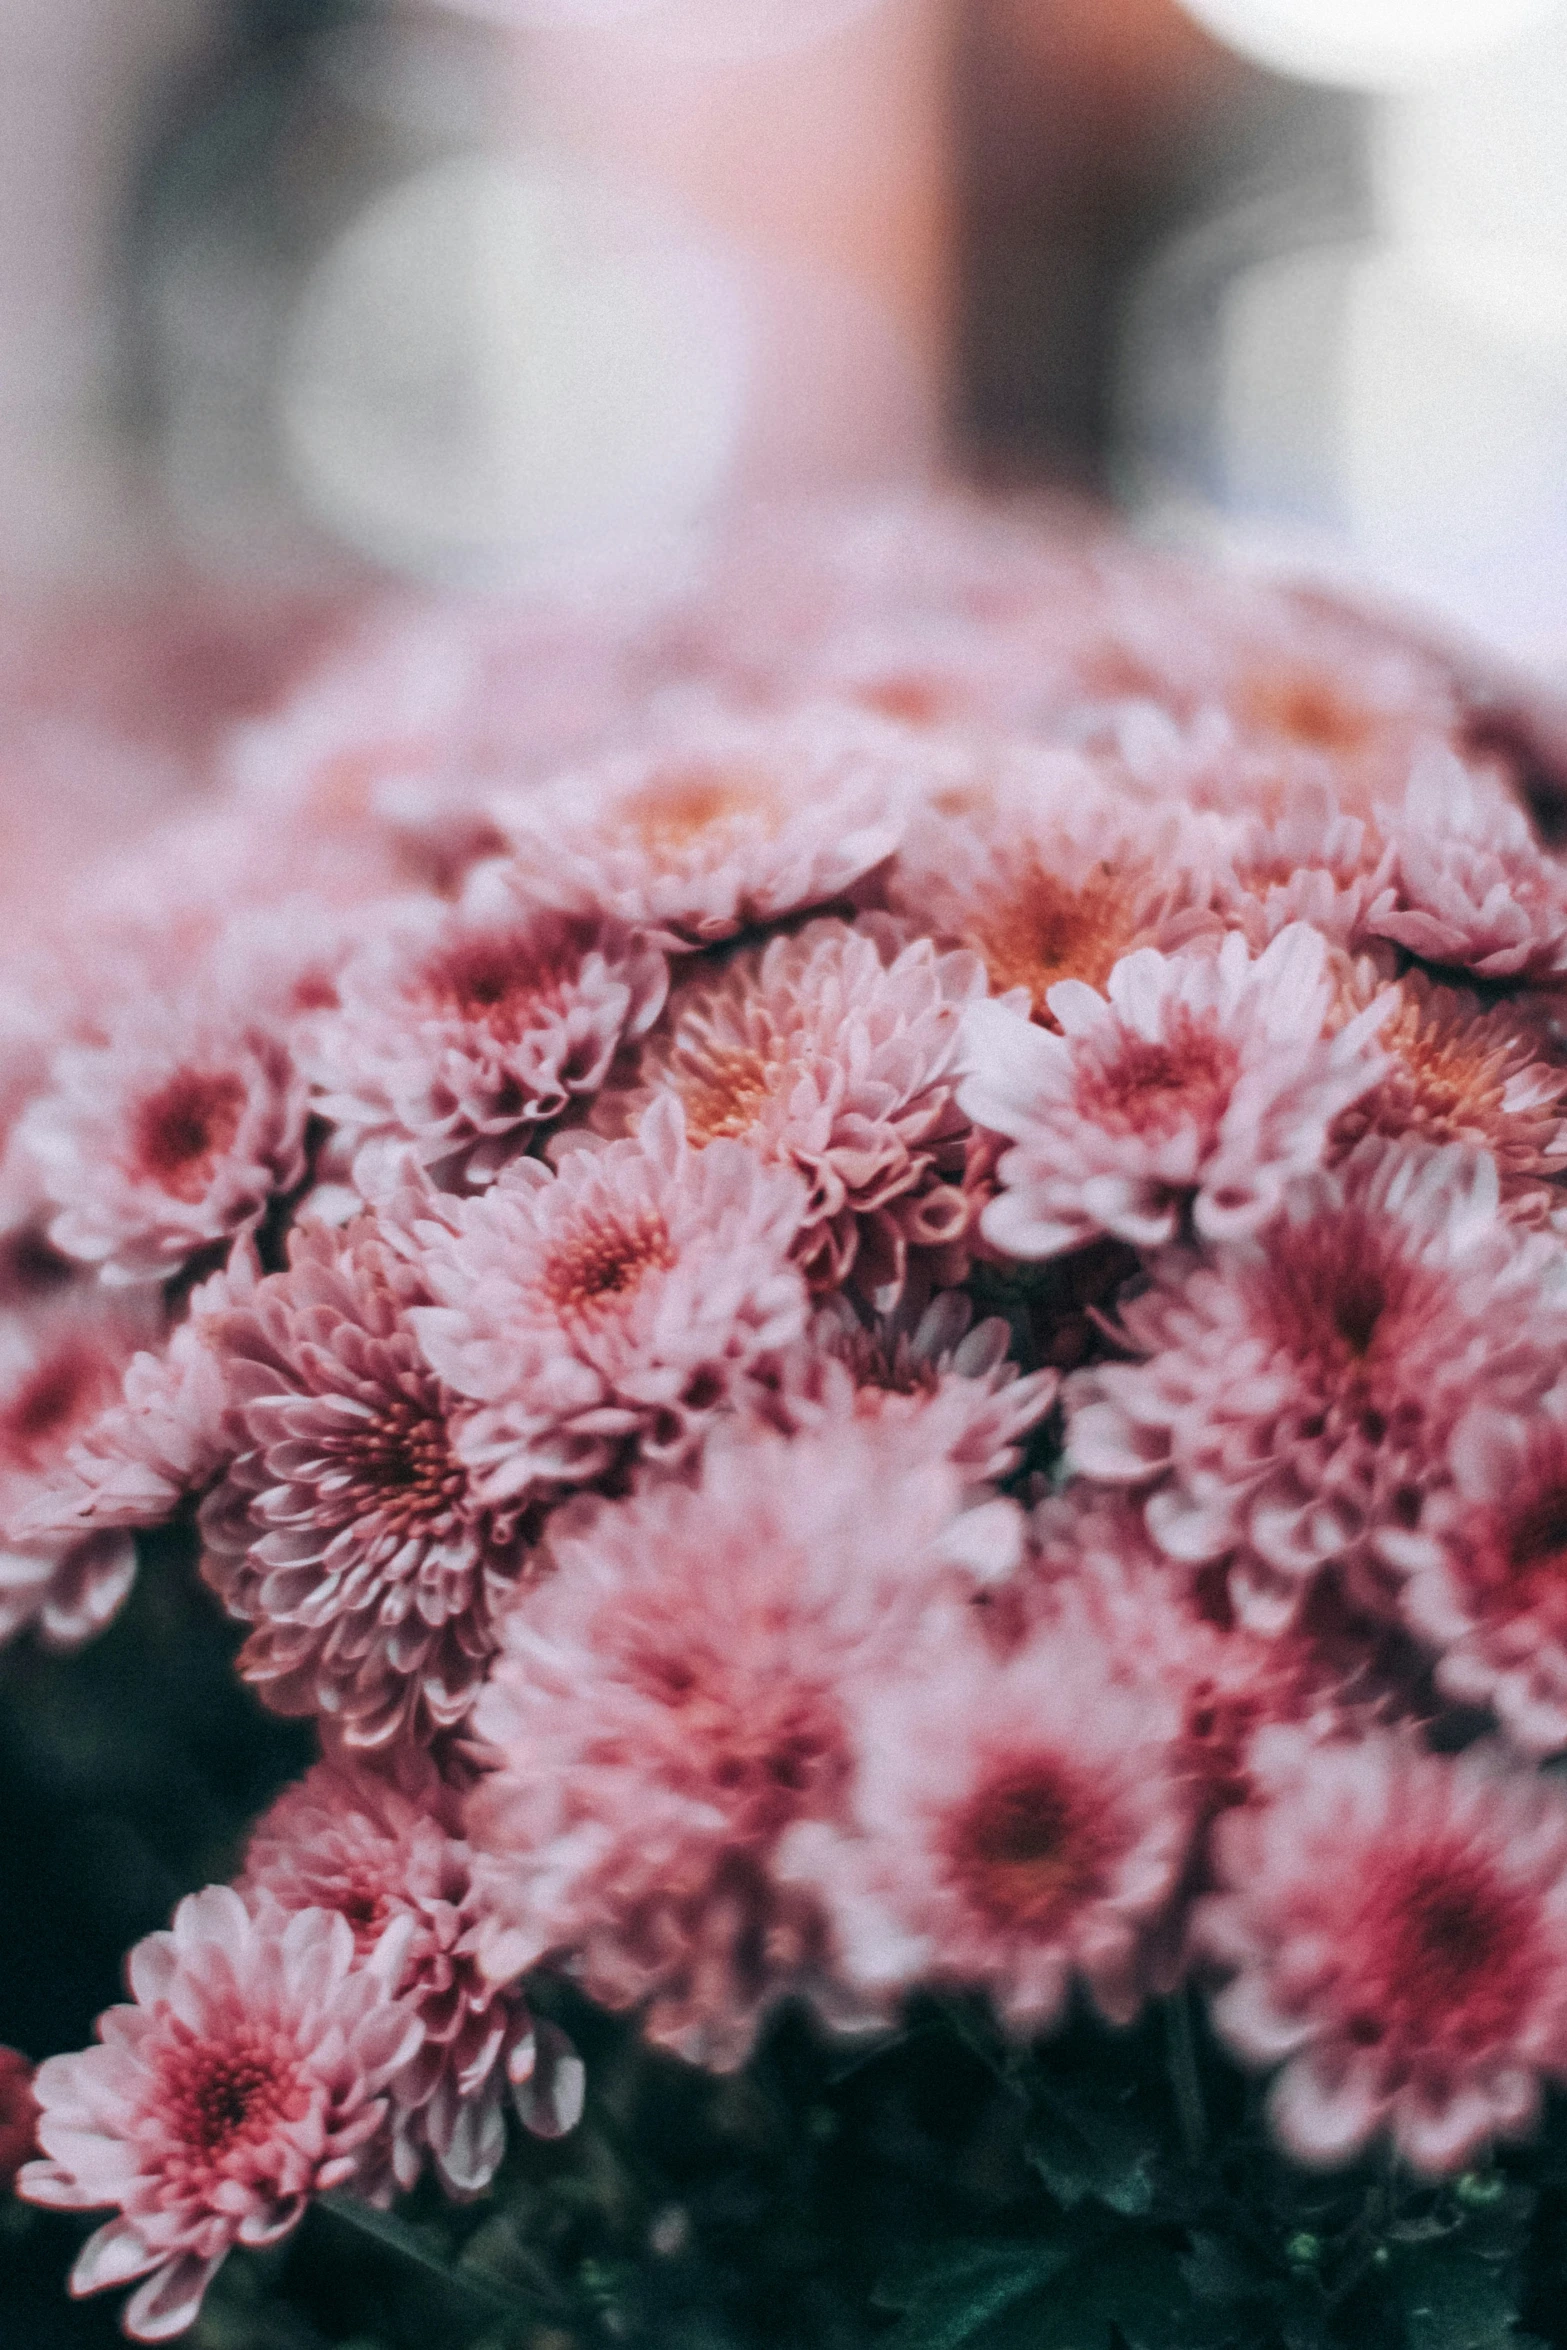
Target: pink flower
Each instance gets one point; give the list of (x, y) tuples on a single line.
[(933, 1368), (249, 2076), (1046, 874), (61, 1368), (162, 1436), (346, 1530), (465, 1029), (1467, 882), (1299, 1390), (726, 823), (834, 1053), (1032, 1843), (619, 1301), (1201, 1079), (1396, 1926), (347, 1840), (170, 1136), (1459, 1073), (1311, 861), (674, 1696), (1486, 1568)]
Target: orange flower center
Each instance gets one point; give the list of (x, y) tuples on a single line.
[(601, 1266), (1046, 930), (677, 812)]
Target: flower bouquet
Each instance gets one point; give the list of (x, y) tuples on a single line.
[(800, 1352)]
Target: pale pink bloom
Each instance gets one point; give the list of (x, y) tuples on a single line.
[(464, 1029), (1486, 1568), (673, 1696), (1457, 1072), (1015, 1826), (1310, 861), (61, 1369), (1396, 1927), (618, 1301), (163, 1435), (1467, 883), (348, 1840), (721, 823), (930, 1366), (346, 1531), (1201, 1081), (1046, 873), (170, 1136), (249, 2076), (1300, 1388), (833, 1052)]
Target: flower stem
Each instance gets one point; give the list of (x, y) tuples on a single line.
[(1180, 2048)]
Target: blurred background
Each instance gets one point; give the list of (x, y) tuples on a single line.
[(314, 293)]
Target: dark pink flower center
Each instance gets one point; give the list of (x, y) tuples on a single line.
[(1148, 1085), (50, 1403), (1031, 1845), (765, 1755), (403, 1460), (220, 2094), (504, 982), (181, 1131), (1442, 1955)]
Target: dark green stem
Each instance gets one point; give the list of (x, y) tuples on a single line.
[(1180, 2048)]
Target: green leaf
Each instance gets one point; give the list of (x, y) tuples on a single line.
[(953, 2301), (1452, 2300), (1088, 2143), (1068, 2291)]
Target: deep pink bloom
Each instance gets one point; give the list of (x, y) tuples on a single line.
[(346, 1531), (1014, 1824), (249, 2075), (1467, 883), (171, 1135), (61, 1371), (1298, 1390), (934, 1367), (348, 1840), (674, 1695), (1396, 1926), (464, 1029), (619, 1300), (1486, 1568), (1203, 1080), (835, 1052), (722, 823)]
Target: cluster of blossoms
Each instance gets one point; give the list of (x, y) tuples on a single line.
[(864, 1284)]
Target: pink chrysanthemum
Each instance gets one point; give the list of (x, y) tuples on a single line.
[(619, 1300), (345, 1840), (168, 1137), (1047, 875), (1457, 1072), (347, 1531), (61, 1369), (1033, 1842), (1200, 1080), (464, 1029), (1302, 1388), (825, 1053), (1486, 1569), (1467, 883), (163, 1435), (727, 823), (1397, 1927), (249, 2076), (1312, 861), (673, 1697), (934, 1366)]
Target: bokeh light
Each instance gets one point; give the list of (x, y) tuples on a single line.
[(492, 364), (1366, 44)]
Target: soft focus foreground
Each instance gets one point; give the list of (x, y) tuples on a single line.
[(782, 1395)]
